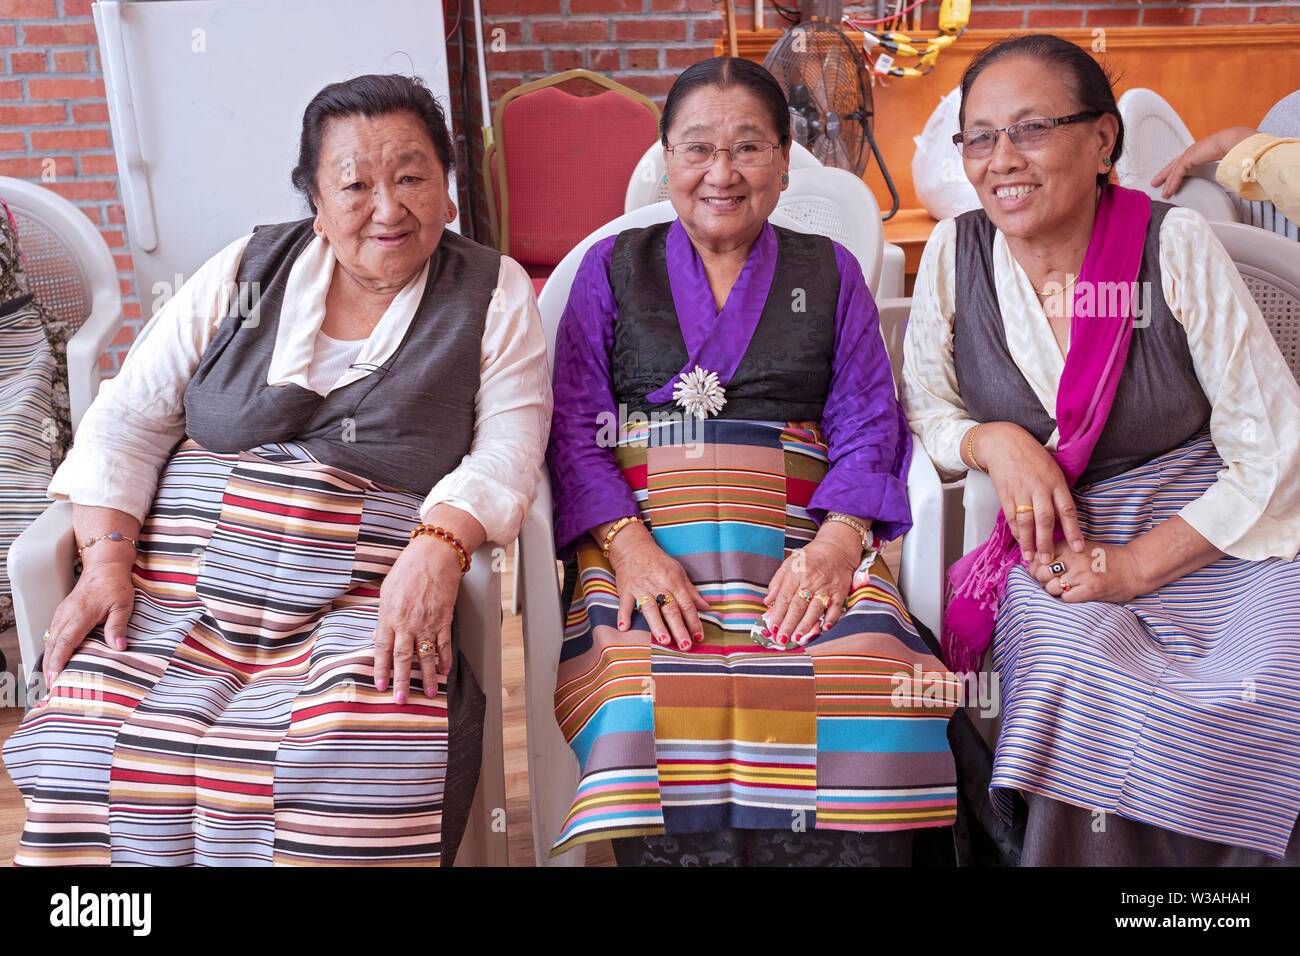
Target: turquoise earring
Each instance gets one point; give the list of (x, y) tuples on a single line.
[(665, 179), (785, 179)]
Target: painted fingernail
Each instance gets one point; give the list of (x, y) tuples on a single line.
[(686, 645), (49, 678), (381, 684), (699, 637), (120, 643), (781, 639), (400, 697), (661, 638), (766, 632), (622, 624), (798, 637), (430, 690)]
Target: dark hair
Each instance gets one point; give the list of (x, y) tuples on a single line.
[(724, 72), (375, 94), (1090, 83)]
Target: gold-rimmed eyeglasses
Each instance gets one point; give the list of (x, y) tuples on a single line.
[(752, 152), (1028, 133)]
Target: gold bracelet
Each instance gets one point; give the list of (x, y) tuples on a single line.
[(865, 533), (614, 529), (111, 536), (970, 448), (461, 554)]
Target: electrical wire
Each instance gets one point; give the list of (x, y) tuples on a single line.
[(456, 25), (861, 23), (789, 14)]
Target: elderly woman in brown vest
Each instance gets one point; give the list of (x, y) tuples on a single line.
[(1098, 356), (275, 501)]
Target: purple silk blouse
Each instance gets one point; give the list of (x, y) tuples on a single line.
[(865, 430)]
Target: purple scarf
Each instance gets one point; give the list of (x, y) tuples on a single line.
[(1098, 349)]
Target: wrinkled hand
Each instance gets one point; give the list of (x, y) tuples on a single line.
[(641, 568), (104, 595), (1024, 473), (1208, 150), (416, 601), (824, 568), (1102, 572)]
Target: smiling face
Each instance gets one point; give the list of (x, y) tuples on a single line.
[(381, 197), (1038, 192), (723, 206)]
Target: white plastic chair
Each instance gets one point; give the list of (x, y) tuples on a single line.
[(834, 202), (1153, 135), (552, 767), (71, 272), (40, 568), (1270, 267)]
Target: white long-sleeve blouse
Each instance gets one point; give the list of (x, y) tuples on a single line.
[(1252, 510), (138, 416)]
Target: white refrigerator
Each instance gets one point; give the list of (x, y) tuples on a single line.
[(206, 100)]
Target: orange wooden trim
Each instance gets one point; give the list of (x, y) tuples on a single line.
[(754, 44)]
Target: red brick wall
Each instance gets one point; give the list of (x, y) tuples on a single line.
[(52, 97)]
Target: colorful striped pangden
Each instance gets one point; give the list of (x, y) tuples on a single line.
[(729, 734), (1179, 709), (241, 725)]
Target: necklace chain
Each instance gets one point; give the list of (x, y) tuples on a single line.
[(1065, 288)]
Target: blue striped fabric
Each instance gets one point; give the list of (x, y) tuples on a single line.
[(1180, 709)]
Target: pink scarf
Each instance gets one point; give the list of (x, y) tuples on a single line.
[(1098, 350)]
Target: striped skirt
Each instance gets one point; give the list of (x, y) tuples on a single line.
[(27, 431), (848, 733), (1180, 709), (241, 725)]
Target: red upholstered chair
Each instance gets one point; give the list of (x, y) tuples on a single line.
[(559, 164)]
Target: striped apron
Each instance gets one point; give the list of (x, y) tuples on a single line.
[(241, 726), (27, 429), (848, 733), (1180, 708)]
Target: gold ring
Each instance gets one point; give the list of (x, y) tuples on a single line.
[(424, 647), (1021, 509), (46, 637), (803, 594), (1065, 585), (643, 600), (825, 599)]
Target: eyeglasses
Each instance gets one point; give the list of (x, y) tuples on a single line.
[(977, 143), (748, 153)]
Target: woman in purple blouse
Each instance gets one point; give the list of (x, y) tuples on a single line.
[(739, 678)]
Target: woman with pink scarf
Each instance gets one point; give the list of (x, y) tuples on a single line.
[(1097, 354)]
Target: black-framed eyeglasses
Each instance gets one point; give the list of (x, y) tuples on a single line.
[(753, 152), (1028, 133)]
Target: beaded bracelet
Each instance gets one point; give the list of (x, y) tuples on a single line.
[(447, 536), (111, 536)]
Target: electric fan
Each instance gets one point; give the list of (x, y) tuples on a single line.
[(823, 74)]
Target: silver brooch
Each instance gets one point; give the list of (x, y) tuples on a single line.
[(700, 393)]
